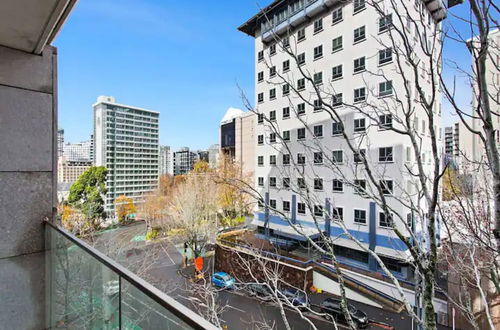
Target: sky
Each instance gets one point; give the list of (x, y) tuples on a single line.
[(185, 59)]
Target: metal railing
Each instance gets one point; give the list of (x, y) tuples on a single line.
[(87, 289)]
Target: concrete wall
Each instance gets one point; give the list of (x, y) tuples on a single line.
[(28, 125)]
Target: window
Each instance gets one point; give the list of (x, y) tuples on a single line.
[(337, 15), (286, 135), (337, 72), (301, 208), (286, 206), (318, 25), (286, 65), (286, 112), (318, 184), (318, 130), (409, 221), (360, 216), (301, 133), (318, 52), (384, 220), (385, 56), (384, 23), (260, 76), (272, 71), (318, 105), (385, 121), (359, 125), (301, 183), (272, 181), (260, 160), (272, 160), (260, 181), (260, 56), (338, 214), (301, 34), (385, 154), (359, 64), (359, 5), (286, 42), (337, 128), (286, 183), (359, 34), (301, 159), (318, 78), (260, 97), (360, 187), (272, 115), (318, 210), (272, 93), (260, 118), (260, 203), (338, 185), (337, 100), (337, 44), (272, 137), (286, 89), (301, 84), (360, 94), (301, 109), (260, 139), (301, 59), (385, 88), (272, 204), (387, 187), (272, 49), (359, 156), (337, 156), (318, 157), (286, 159)]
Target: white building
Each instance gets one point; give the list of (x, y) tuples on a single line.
[(126, 142), (81, 151), (166, 161), (213, 155), (459, 143), (346, 49)]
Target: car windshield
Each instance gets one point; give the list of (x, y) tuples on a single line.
[(225, 277)]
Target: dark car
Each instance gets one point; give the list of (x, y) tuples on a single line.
[(333, 310), (260, 291), (296, 297)]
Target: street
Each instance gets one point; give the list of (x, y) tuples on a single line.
[(240, 312)]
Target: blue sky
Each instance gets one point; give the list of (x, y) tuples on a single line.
[(182, 58)]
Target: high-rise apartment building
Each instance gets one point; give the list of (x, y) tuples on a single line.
[(493, 80), (458, 143), (184, 160), (213, 155), (60, 142), (166, 161), (237, 138), (126, 142), (345, 49), (81, 151)]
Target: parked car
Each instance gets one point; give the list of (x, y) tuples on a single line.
[(260, 291), (222, 280), (333, 310), (296, 297)]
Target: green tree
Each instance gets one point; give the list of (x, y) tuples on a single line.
[(86, 194)]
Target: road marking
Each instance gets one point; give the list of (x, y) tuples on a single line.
[(235, 308)]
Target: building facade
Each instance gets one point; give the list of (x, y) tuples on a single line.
[(81, 151), (213, 155), (166, 161), (60, 142), (344, 48), (184, 160), (68, 171), (126, 140), (237, 138), (459, 143)]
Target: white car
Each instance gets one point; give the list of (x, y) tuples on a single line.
[(111, 287)]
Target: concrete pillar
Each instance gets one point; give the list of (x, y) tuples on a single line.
[(294, 209), (28, 128), (328, 210)]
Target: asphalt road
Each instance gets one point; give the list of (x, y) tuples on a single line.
[(241, 311)]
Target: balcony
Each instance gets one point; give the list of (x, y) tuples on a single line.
[(88, 290)]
